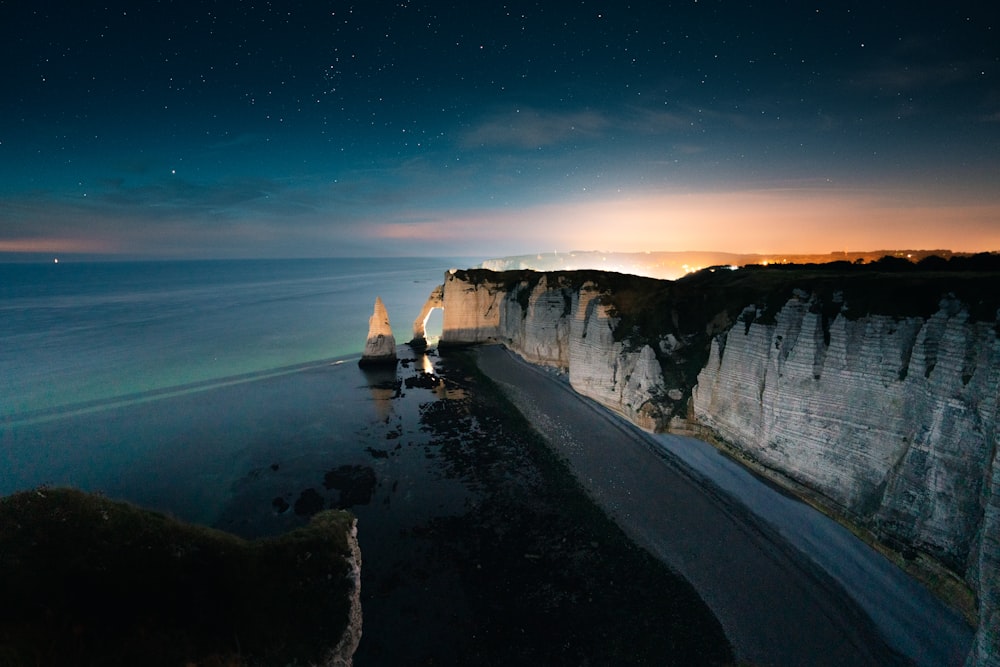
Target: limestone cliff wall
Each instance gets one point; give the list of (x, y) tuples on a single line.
[(891, 420), (983, 574), (471, 311), (555, 323), (894, 420), (628, 381)]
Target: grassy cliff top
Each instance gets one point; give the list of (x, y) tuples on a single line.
[(891, 286), (86, 580)]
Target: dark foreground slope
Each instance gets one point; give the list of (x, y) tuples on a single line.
[(89, 581)]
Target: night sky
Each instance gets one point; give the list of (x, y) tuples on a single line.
[(287, 129)]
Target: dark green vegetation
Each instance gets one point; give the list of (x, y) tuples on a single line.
[(88, 581), (890, 286), (549, 579)]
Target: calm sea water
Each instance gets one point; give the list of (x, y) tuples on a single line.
[(77, 334), (122, 377)]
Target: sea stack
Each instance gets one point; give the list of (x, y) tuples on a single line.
[(380, 349)]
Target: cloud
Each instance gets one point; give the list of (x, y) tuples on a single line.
[(799, 217), (656, 121), (177, 197), (897, 77), (531, 128)]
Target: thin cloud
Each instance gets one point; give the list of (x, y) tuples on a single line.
[(532, 128), (654, 121), (897, 77)]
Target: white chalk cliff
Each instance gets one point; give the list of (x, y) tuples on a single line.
[(380, 347), (893, 420), (889, 422)]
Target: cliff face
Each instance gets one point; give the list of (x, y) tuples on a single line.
[(889, 419), (342, 655), (550, 320), (894, 420)]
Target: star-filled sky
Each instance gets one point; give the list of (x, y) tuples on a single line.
[(327, 128)]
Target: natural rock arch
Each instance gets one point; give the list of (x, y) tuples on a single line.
[(435, 300)]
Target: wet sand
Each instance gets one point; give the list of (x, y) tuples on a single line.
[(775, 604)]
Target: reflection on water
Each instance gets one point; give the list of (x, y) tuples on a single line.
[(384, 385), (427, 364)]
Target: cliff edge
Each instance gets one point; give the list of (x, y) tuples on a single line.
[(872, 391), (87, 580)]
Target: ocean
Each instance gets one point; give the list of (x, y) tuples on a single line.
[(111, 372), (92, 333), (227, 393)]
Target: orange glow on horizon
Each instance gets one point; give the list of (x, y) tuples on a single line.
[(767, 222), (54, 246)]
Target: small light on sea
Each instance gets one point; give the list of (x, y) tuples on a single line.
[(55, 261)]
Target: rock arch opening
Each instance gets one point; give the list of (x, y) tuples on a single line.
[(430, 321), (433, 324)]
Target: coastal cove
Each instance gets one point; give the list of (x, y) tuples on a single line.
[(477, 547), (477, 543)]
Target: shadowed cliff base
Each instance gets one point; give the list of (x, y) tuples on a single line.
[(90, 581), (776, 606)]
